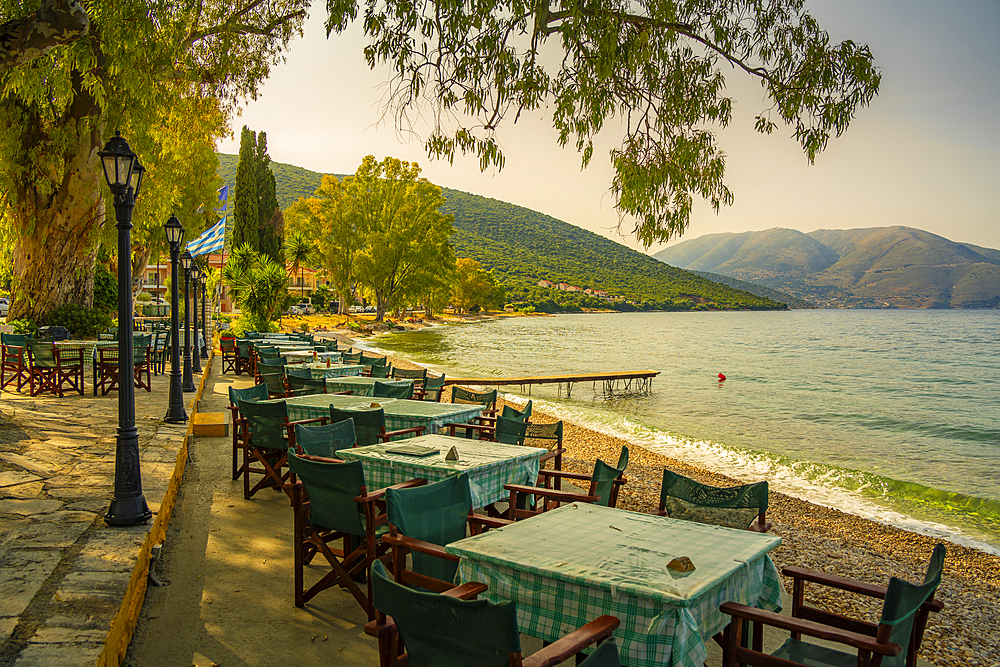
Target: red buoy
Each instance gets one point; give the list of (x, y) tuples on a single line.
[(721, 377)]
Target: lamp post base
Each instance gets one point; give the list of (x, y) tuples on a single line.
[(128, 512), (175, 406)]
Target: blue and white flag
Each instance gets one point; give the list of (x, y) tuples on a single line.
[(211, 240), (223, 198)]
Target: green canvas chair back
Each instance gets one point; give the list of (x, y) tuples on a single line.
[(514, 413), (258, 392), (266, 422), (332, 488), (417, 374), (604, 476), (227, 344), (605, 655), (293, 370), (488, 399), (352, 358), (442, 630), (903, 599), (142, 340), (380, 371), (435, 513), (12, 339), (733, 507), (274, 379), (549, 436), (306, 386), (374, 361), (510, 431), (269, 359), (368, 424), (433, 386), (386, 390), (325, 439), (243, 348), (42, 353)]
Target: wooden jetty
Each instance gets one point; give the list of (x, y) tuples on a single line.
[(638, 382)]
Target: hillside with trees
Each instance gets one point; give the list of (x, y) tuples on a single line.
[(522, 247)]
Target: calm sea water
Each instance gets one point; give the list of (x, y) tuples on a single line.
[(893, 415)]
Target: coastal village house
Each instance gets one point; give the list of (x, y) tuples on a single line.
[(302, 282)]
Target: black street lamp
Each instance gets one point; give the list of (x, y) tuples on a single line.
[(204, 322), (123, 174), (196, 355), (188, 384), (175, 408)]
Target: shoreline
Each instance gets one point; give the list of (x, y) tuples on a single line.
[(829, 540)]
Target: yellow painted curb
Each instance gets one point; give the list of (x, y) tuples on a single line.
[(124, 622)]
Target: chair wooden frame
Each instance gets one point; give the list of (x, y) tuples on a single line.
[(229, 354), (271, 461), (871, 640), (15, 367), (349, 562), (106, 369), (66, 369)]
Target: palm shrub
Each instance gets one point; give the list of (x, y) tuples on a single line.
[(257, 284)]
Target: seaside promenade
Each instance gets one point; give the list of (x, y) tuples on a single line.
[(73, 588)]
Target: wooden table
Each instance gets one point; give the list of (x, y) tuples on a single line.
[(568, 566)]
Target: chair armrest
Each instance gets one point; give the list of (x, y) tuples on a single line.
[(419, 546), (467, 591), (597, 630), (470, 426), (378, 493), (488, 521), (809, 628), (389, 435), (552, 494), (376, 628), (565, 474), (833, 581), (308, 421), (343, 393)]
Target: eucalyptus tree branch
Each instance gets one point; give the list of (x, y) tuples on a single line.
[(56, 22)]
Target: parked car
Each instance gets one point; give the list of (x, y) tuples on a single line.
[(294, 310), (305, 307), (4, 306)]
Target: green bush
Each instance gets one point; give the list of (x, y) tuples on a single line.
[(26, 327), (81, 322), (105, 290)]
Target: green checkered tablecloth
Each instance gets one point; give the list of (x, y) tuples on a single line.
[(399, 414), (361, 386), (308, 354), (568, 566), (321, 370), (489, 465)]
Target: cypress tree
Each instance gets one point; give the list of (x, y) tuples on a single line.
[(270, 225), (246, 219)]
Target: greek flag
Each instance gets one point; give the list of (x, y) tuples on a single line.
[(210, 241), (223, 198)]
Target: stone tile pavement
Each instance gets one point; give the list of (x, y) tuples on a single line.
[(70, 586)]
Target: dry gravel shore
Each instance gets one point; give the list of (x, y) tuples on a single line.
[(965, 633)]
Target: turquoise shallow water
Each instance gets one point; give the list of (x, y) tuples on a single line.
[(894, 415)]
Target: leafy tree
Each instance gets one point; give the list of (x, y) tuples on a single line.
[(329, 219), (473, 287), (407, 238), (271, 222), (139, 61), (298, 250), (657, 64), (258, 284)]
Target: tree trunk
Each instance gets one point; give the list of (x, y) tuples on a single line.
[(59, 233), (140, 260)]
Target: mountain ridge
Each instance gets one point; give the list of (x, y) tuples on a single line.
[(873, 267)]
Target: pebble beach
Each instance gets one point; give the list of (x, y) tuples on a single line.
[(966, 632)]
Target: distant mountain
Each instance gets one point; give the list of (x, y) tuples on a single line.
[(879, 267), (759, 290), (523, 247)]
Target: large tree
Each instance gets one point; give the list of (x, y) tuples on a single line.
[(406, 236), (57, 22), (139, 61), (245, 215), (655, 66)]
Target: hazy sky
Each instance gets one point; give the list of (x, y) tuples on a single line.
[(925, 154)]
